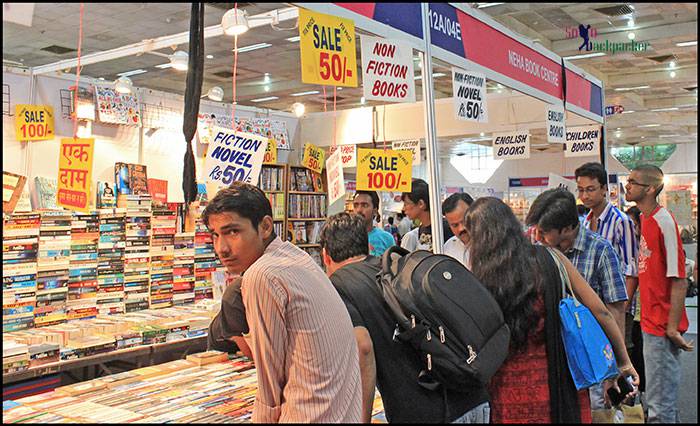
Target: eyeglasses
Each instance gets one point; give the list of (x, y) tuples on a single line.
[(589, 190), (634, 182)]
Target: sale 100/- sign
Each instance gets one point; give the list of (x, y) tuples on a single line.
[(384, 170)]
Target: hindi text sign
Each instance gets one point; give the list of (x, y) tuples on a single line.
[(234, 156), (75, 173), (387, 70), (384, 170), (34, 122)]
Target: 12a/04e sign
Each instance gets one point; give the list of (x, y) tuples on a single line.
[(384, 170), (34, 122)]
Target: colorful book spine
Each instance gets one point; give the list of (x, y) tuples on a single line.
[(162, 250), (19, 270), (110, 267), (137, 257), (53, 268), (82, 284)]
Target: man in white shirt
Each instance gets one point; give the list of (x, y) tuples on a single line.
[(454, 209), (405, 225)]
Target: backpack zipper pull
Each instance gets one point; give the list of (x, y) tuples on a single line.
[(430, 362), (413, 321), (429, 337), (472, 354), (442, 334)]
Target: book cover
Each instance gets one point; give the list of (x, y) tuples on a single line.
[(12, 187), (121, 178), (46, 192), (158, 188), (138, 181)]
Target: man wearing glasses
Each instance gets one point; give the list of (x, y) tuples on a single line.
[(616, 227)]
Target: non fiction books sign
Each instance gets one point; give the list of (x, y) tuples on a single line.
[(387, 70), (234, 156), (384, 170), (75, 173), (511, 146), (348, 154), (582, 141), (556, 125), (314, 157), (469, 94), (413, 146), (34, 122), (336, 180), (327, 45)]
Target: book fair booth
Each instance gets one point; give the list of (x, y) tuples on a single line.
[(109, 276)]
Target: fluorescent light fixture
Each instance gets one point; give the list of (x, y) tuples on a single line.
[(628, 112), (269, 98), (650, 125), (210, 56), (435, 75), (267, 88), (485, 5), (266, 78), (164, 66), (687, 43), (132, 72), (235, 22), (179, 60), (293, 39), (625, 89), (665, 109), (253, 47), (631, 35), (672, 64), (123, 85), (584, 56), (668, 136), (101, 78), (310, 92)]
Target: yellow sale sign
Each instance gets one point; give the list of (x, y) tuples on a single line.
[(34, 122), (327, 45), (384, 170), (271, 152), (314, 157), (75, 173)]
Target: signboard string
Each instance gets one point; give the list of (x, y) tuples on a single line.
[(325, 101), (77, 76), (384, 126), (235, 67), (334, 115)]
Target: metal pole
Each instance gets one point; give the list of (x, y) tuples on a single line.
[(430, 136), (28, 144), (603, 143)]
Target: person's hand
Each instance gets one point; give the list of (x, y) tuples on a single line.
[(629, 371), (677, 339), (607, 384)]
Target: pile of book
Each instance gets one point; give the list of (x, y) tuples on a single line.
[(53, 266), (137, 257), (306, 232), (110, 265), (302, 179), (183, 269), (205, 260), (307, 206), (19, 269), (277, 204), (82, 286), (163, 228), (15, 357)]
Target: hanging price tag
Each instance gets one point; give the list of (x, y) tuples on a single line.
[(327, 45), (314, 157), (384, 170), (270, 152), (336, 180), (34, 122)]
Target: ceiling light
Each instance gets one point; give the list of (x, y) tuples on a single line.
[(132, 72), (586, 55), (216, 94), (630, 23), (267, 88), (269, 98), (650, 125), (672, 74), (618, 134), (630, 35), (266, 79), (485, 5), (665, 109), (298, 109), (101, 78), (253, 47), (234, 22), (293, 39), (668, 136), (482, 134), (210, 56), (362, 100), (672, 64), (624, 89), (310, 92), (643, 137), (435, 75), (178, 60), (687, 43), (123, 85), (628, 112)]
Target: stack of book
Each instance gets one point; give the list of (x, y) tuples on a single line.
[(53, 267), (137, 252), (183, 269), (272, 179), (163, 227), (82, 286), (15, 357), (19, 269), (110, 266), (307, 206), (205, 261)]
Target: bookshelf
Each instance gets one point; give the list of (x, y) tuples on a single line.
[(307, 201), (273, 182)]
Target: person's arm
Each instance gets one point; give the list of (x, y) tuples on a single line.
[(368, 371), (614, 287), (585, 294), (679, 286), (631, 284), (617, 310), (243, 346)]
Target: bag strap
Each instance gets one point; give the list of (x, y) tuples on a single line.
[(563, 275)]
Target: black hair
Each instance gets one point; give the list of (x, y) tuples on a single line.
[(497, 240), (372, 194), (654, 175), (593, 171), (581, 209), (344, 235), (391, 220), (553, 209), (451, 202), (244, 199), (634, 213), (419, 191)]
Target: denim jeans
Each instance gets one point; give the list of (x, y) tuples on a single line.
[(595, 393), (663, 376), (479, 414)]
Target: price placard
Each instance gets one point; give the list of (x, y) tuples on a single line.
[(34, 122), (348, 154), (327, 45), (413, 146), (582, 141), (234, 156), (75, 173), (469, 94), (336, 180), (270, 152), (384, 170), (314, 157), (511, 146)]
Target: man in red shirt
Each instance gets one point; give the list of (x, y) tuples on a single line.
[(662, 288)]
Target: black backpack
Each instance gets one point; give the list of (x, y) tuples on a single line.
[(447, 315)]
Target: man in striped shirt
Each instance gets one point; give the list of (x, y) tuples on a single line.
[(301, 336)]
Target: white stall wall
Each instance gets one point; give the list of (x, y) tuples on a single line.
[(162, 150), (683, 160)]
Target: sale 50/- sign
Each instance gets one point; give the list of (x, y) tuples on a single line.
[(34, 122), (384, 170), (327, 45), (313, 158)]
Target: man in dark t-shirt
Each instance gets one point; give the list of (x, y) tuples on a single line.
[(229, 325), (393, 365)]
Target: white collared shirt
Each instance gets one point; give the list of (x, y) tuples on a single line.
[(455, 247)]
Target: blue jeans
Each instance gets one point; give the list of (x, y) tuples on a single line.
[(662, 365), (479, 414), (595, 393)]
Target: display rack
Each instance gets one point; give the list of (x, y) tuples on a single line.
[(273, 181), (307, 209)]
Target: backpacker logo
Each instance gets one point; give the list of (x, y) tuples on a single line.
[(586, 33)]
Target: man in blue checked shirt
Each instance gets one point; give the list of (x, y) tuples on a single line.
[(556, 222)]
